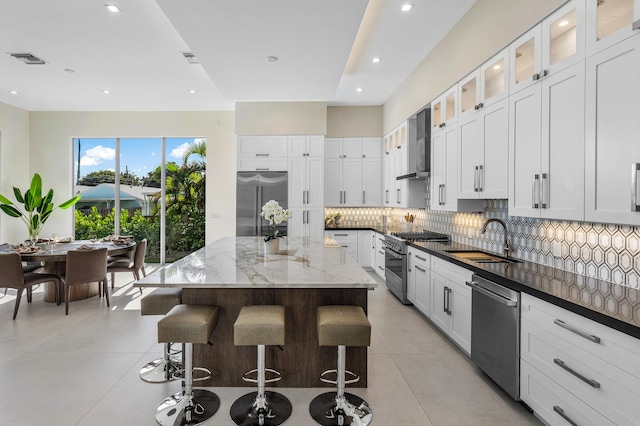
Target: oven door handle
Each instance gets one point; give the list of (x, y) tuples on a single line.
[(508, 302), (392, 253)]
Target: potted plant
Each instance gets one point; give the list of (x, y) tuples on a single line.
[(36, 209), (275, 214)]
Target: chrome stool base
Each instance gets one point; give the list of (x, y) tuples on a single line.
[(174, 410), (354, 410), (244, 411), (160, 370)]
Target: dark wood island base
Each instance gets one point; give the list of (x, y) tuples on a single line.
[(301, 361)]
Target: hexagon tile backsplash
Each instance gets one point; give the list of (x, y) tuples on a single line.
[(608, 252)]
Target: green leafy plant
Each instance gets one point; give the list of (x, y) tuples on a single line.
[(36, 208)]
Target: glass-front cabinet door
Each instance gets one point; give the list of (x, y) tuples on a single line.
[(469, 94), (611, 21), (526, 59), (495, 81), (443, 109), (436, 114), (563, 37)]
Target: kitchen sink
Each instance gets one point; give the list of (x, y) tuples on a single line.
[(480, 256)]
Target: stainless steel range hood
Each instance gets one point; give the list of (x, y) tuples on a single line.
[(419, 143)]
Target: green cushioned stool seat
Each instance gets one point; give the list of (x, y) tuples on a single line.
[(343, 326), (259, 325), (188, 324), (160, 301)]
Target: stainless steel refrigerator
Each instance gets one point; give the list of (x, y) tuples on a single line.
[(253, 190)]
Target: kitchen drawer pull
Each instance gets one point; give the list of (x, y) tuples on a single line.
[(421, 258), (444, 299), (380, 251), (381, 268), (345, 246), (480, 177), (340, 235), (262, 169), (419, 268), (561, 413), (475, 176), (635, 194), (262, 155), (363, 197), (544, 183), (594, 384), (559, 322), (535, 191)]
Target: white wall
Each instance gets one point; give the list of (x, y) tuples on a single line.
[(14, 166), (51, 152)]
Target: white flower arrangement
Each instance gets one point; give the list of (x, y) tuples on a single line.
[(275, 214)]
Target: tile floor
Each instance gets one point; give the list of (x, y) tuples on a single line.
[(82, 369)]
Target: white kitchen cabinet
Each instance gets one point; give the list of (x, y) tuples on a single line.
[(485, 86), (343, 148), (372, 147), (379, 259), (371, 182), (306, 222), (343, 182), (546, 147), (348, 239), (444, 109), (484, 153), (419, 280), (610, 22), (366, 248), (583, 360), (306, 146), (306, 183), (612, 127), (262, 153), (451, 301), (388, 175)]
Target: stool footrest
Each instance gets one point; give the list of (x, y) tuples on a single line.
[(355, 378), (278, 376), (179, 374)]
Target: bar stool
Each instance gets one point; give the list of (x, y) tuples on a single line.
[(259, 326), (341, 326), (188, 324), (159, 303)]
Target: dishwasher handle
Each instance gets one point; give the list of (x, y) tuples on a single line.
[(498, 298)]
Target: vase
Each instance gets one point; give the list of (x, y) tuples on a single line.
[(272, 246), (408, 226)]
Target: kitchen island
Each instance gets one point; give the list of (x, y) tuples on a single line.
[(306, 273)]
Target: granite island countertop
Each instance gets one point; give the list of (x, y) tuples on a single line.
[(240, 262), (614, 305)]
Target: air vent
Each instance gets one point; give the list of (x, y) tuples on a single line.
[(28, 58), (191, 58)]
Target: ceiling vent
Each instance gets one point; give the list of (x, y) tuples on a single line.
[(191, 58), (28, 58)]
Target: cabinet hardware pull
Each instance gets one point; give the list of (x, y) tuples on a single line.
[(262, 155), (386, 196), (535, 191), (420, 269), (491, 295), (636, 25), (421, 258), (345, 246), (381, 268), (340, 235), (480, 105), (344, 197), (545, 193), (449, 290), (594, 384), (559, 322), (380, 251), (398, 194), (480, 178), (561, 413), (362, 197), (262, 169), (444, 200), (536, 76), (475, 179), (635, 194), (444, 299)]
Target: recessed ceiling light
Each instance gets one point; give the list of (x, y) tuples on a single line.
[(496, 67), (112, 8), (106, 92), (359, 89), (192, 91), (406, 7), (375, 60), (563, 23), (13, 92), (271, 59)]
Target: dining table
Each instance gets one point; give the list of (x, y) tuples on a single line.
[(54, 256)]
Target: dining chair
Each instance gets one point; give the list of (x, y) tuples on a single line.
[(135, 266), (85, 266), (13, 276)]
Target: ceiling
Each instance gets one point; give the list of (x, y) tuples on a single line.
[(324, 49)]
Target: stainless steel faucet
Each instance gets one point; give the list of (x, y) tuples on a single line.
[(506, 236)]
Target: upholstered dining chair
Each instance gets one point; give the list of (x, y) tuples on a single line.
[(85, 266), (13, 276), (136, 266)]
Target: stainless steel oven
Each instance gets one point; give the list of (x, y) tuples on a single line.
[(395, 259)]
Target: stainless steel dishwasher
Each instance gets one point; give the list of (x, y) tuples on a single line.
[(495, 333)]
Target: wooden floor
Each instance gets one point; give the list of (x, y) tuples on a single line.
[(301, 360)]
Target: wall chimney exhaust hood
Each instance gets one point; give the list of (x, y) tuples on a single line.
[(419, 145)]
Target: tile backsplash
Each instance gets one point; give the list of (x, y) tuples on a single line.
[(608, 252)]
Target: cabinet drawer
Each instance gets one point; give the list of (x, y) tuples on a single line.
[(421, 259), (609, 345), (258, 163), (449, 270), (348, 240), (602, 386), (552, 402), (262, 146)]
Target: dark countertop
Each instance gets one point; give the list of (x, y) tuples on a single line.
[(360, 228), (614, 305)]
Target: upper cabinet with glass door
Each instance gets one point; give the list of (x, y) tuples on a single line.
[(444, 109), (485, 86), (610, 21), (555, 44)]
